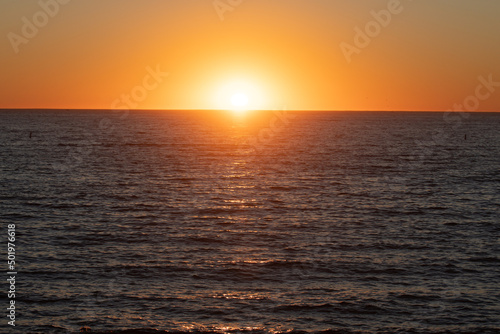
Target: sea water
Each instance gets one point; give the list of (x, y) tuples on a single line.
[(348, 222)]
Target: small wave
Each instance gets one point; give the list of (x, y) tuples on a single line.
[(209, 240), (144, 144), (305, 307), (488, 259), (408, 296), (216, 211), (43, 300), (53, 329), (21, 216), (68, 145), (281, 188), (342, 307)]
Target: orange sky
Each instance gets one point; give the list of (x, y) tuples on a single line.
[(298, 54)]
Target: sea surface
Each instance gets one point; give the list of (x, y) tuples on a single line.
[(260, 222)]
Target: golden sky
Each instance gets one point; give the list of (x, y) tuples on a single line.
[(294, 54)]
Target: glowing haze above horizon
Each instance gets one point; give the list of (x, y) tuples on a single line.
[(253, 54)]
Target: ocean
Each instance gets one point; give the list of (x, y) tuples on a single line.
[(264, 222)]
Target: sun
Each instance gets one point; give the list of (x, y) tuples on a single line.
[(239, 95), (239, 101)]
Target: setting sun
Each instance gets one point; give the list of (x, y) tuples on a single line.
[(239, 101), (245, 93)]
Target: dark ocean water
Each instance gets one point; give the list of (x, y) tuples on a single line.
[(183, 221)]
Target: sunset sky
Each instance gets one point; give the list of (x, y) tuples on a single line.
[(298, 54)]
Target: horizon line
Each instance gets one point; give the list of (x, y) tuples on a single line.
[(228, 110)]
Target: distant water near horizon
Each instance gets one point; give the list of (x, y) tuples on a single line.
[(266, 222)]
